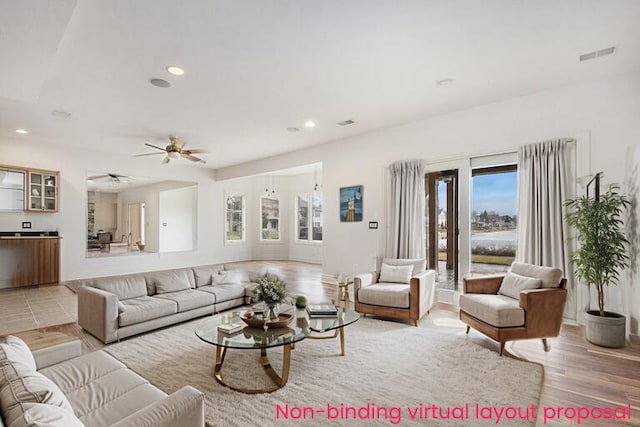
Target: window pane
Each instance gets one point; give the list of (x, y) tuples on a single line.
[(235, 218), (270, 213), (316, 218), (302, 223), (494, 218)]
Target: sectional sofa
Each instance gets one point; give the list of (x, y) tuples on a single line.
[(116, 307), (56, 386)]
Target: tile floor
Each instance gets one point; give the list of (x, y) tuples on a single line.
[(27, 308)]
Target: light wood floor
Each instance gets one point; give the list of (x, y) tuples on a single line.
[(577, 373)]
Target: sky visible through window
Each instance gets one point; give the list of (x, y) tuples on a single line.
[(496, 192)]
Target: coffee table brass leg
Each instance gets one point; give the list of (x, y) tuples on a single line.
[(342, 341), (279, 380)]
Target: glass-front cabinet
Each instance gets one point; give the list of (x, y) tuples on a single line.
[(43, 191)]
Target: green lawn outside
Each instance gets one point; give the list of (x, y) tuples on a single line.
[(483, 259)]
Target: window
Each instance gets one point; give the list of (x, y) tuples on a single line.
[(270, 218), (494, 217), (309, 217), (235, 218)]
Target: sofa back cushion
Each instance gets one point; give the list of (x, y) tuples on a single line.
[(550, 276), (125, 287), (231, 277), (513, 284), (203, 273), (395, 273), (419, 264), (169, 280)]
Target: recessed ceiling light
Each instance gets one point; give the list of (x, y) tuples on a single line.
[(22, 131), (310, 124), (175, 70), (160, 83), (446, 82), (292, 129)]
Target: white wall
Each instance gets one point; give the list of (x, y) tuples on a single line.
[(178, 217), (602, 115)]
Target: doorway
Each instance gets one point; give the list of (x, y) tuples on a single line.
[(136, 223), (441, 190)]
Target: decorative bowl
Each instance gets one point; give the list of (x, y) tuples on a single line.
[(254, 319)]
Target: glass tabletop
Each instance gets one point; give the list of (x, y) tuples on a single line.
[(324, 324), (248, 337)]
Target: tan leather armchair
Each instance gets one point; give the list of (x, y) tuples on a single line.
[(408, 297), (493, 310)]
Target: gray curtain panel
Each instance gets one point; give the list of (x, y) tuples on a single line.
[(406, 238), (542, 190)]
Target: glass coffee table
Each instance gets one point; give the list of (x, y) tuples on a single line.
[(253, 339), (250, 338), (346, 316)]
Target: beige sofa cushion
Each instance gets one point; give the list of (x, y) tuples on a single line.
[(16, 352), (32, 387), (497, 310), (231, 276), (142, 309), (101, 389), (550, 276), (125, 287), (385, 294), (171, 281), (419, 264), (42, 415), (513, 284), (189, 299), (395, 273), (224, 292)]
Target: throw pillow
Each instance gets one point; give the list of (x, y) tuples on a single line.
[(395, 273), (42, 415), (18, 353), (235, 276), (217, 278), (550, 276), (513, 284), (172, 281), (30, 388)]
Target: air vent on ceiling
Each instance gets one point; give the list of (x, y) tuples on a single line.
[(597, 53), (346, 123), (61, 113)]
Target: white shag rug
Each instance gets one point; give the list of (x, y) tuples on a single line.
[(390, 370)]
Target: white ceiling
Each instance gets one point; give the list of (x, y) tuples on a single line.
[(257, 67)]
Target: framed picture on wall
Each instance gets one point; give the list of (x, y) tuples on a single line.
[(351, 203)]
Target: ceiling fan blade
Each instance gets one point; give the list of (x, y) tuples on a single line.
[(92, 178), (154, 146), (192, 158), (177, 142), (166, 160), (195, 150), (147, 154)]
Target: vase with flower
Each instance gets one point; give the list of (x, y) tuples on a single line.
[(272, 292)]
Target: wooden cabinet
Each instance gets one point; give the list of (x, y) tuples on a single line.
[(42, 191), (28, 261)]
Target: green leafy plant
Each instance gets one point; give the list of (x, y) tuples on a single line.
[(270, 290), (602, 245), (300, 301)]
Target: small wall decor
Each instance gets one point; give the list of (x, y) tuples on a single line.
[(351, 203)]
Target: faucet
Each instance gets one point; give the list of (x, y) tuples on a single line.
[(123, 239)]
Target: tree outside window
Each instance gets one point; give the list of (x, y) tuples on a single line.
[(235, 218), (309, 217), (270, 218)]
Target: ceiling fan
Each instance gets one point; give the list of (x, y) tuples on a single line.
[(175, 150), (114, 178)]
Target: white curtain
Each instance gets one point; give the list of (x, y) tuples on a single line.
[(406, 238), (542, 190)]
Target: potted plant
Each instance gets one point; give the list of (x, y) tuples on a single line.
[(601, 257)]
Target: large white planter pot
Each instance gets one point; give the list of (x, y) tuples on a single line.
[(608, 331)]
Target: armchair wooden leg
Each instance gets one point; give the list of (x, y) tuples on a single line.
[(502, 347), (545, 345), (415, 323), (468, 329)]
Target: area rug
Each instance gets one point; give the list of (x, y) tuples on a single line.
[(392, 374)]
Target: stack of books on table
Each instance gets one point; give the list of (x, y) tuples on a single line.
[(229, 328), (322, 310)]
